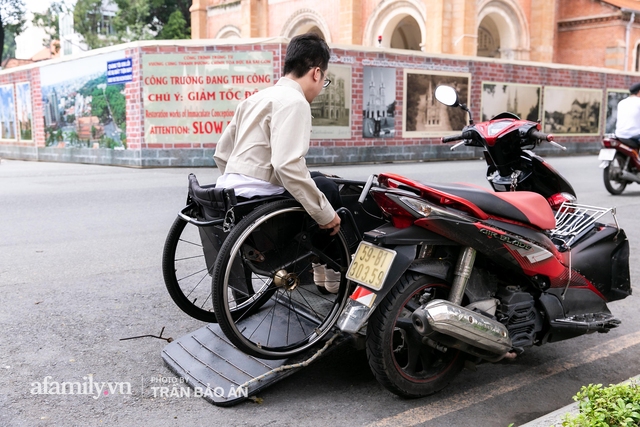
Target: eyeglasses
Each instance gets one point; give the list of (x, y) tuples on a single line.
[(327, 81)]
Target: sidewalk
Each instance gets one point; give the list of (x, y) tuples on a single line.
[(554, 419)]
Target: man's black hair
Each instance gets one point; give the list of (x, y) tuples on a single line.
[(634, 89), (304, 52)]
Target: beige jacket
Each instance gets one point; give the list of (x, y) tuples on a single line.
[(268, 138)]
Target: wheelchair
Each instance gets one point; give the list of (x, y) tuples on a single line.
[(249, 265)]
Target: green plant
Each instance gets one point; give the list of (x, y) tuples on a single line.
[(616, 405)]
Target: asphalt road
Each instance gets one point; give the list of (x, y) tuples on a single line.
[(80, 252)]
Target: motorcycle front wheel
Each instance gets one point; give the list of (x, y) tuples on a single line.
[(612, 181), (398, 358)]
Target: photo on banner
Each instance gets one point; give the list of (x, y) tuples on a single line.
[(7, 113), (613, 97), (572, 111), (80, 108), (25, 111), (331, 109), (424, 116), (523, 100), (379, 99)]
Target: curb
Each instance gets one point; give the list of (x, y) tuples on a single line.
[(554, 419)]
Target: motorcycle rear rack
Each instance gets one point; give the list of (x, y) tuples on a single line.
[(573, 220)]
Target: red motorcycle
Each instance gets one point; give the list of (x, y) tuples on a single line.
[(461, 274), (621, 163)]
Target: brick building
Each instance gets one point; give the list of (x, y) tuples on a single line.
[(580, 32)]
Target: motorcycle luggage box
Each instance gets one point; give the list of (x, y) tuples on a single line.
[(602, 257)]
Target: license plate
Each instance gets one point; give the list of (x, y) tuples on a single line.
[(607, 154), (370, 265)]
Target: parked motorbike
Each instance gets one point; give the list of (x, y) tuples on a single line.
[(461, 274), (621, 163)]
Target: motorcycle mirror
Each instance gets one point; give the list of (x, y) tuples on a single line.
[(447, 95)]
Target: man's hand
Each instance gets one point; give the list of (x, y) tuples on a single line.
[(333, 225)]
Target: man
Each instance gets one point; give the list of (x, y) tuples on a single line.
[(261, 152), (628, 115)]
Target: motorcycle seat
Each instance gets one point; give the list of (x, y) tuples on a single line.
[(523, 206)]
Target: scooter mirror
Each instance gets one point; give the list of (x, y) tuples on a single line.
[(447, 95)]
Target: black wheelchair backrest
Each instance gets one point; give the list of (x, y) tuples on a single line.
[(214, 201)]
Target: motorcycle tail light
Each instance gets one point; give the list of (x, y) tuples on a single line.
[(558, 199), (610, 142), (400, 217)]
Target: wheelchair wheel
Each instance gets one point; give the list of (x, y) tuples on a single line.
[(264, 293), (186, 271)]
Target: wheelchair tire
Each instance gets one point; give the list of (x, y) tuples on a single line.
[(264, 293), (186, 274)]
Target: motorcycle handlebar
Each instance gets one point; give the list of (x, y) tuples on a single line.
[(546, 137), (467, 134), (452, 138), (541, 135)]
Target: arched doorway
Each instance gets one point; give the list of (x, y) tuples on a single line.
[(488, 39), (229, 32), (503, 31), (406, 35), (306, 21), (399, 24)]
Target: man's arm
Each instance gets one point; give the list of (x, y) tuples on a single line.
[(290, 134)]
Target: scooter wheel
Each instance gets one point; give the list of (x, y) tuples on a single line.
[(398, 358), (612, 181)]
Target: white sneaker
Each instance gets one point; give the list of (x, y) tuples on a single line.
[(318, 274), (326, 278), (332, 283)]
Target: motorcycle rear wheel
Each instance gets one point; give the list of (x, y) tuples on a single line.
[(398, 358), (612, 182)]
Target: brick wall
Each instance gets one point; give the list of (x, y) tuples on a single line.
[(355, 149), (25, 149)]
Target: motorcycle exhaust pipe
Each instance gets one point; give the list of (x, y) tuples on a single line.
[(628, 176), (470, 327)]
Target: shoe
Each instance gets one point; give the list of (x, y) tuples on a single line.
[(319, 277), (332, 283), (326, 279)]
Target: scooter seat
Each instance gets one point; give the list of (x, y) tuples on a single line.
[(522, 206)]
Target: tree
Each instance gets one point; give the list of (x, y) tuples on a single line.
[(176, 28), (88, 22), (132, 21), (49, 21), (161, 14), (11, 21)]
